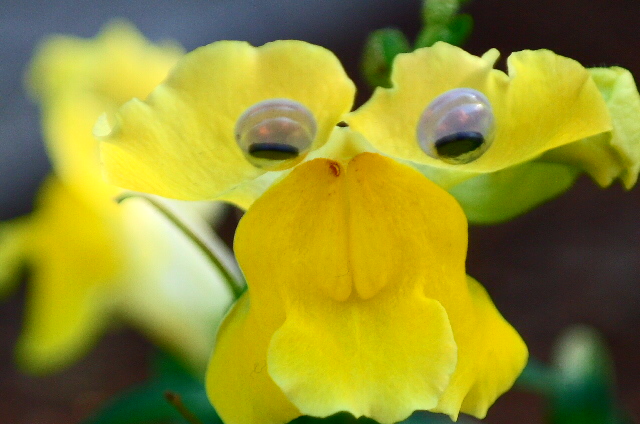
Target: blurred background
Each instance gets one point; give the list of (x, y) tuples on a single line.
[(573, 260)]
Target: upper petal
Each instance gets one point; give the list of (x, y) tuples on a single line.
[(614, 154), (504, 194), (180, 142), (621, 94), (546, 101)]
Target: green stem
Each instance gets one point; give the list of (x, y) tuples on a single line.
[(234, 285)]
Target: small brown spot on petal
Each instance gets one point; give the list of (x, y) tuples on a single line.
[(334, 167)]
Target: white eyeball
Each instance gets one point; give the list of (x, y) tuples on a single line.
[(275, 130), (457, 127)]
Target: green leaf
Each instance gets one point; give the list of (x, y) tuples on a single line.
[(418, 417), (460, 29), (439, 12), (146, 403), (424, 417), (455, 32), (381, 48), (167, 366), (339, 418)]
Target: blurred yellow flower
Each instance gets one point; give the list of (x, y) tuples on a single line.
[(91, 260), (358, 299), (75, 80)]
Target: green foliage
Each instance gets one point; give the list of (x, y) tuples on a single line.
[(339, 418), (439, 12), (146, 403), (455, 32), (537, 378), (380, 49), (579, 387), (419, 417), (440, 22), (584, 391)]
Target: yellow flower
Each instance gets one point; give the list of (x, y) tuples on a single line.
[(75, 80), (358, 299), (93, 260)]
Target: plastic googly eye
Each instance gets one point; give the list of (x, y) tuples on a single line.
[(275, 130), (457, 127)]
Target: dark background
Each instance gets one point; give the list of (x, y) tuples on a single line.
[(573, 260)]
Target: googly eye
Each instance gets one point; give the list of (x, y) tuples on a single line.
[(275, 130), (457, 127)]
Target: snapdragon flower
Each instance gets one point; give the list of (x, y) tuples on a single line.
[(357, 295)]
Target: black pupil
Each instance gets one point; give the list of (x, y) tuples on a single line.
[(274, 151), (457, 144)]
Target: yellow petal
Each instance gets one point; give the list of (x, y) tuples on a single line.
[(72, 248), (243, 195), (75, 80), (93, 260), (622, 98), (398, 217), (237, 380), (383, 358), (491, 354), (615, 154), (117, 65), (351, 277), (343, 144), (66, 122), (592, 155), (190, 118), (546, 101)]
